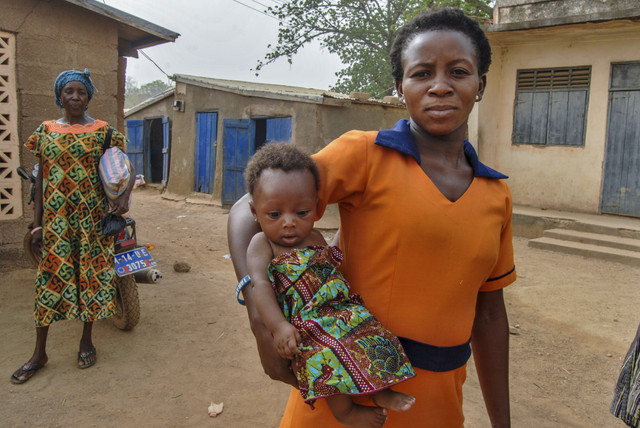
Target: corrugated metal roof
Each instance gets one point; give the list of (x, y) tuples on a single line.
[(281, 92), (137, 32), (149, 101)]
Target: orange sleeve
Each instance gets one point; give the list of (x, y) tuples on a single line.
[(343, 170), (504, 272)]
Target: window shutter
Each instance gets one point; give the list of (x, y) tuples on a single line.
[(551, 106)]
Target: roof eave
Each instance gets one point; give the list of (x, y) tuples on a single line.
[(626, 14), (325, 98), (151, 34)]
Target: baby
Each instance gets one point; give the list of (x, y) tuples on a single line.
[(338, 349)]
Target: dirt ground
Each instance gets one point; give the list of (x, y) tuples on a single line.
[(571, 318)]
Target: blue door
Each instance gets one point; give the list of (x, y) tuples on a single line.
[(279, 129), (206, 144), (166, 138), (238, 146), (135, 133), (621, 181)]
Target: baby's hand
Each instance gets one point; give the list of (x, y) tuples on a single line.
[(287, 338)]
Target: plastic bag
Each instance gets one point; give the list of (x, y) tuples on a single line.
[(112, 224), (114, 170)]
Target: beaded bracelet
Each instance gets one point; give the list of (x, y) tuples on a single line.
[(243, 283), (35, 229)]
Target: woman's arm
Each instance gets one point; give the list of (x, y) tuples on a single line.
[(286, 337), (240, 229), (38, 209), (490, 344)]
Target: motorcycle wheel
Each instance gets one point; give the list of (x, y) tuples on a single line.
[(28, 250), (127, 303)]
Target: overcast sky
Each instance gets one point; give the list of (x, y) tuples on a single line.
[(222, 39)]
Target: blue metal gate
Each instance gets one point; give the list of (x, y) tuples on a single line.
[(206, 145)]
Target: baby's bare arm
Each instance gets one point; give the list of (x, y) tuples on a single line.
[(259, 255)]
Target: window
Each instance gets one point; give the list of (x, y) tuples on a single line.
[(551, 106)]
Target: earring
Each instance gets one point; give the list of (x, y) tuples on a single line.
[(478, 98), (255, 218)]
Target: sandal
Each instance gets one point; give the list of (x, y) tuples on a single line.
[(25, 372), (87, 359)]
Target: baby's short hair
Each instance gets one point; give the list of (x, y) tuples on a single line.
[(284, 156)]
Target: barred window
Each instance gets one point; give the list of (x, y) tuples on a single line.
[(551, 106)]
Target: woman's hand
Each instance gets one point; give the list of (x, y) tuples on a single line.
[(121, 204), (274, 366), (36, 241), (287, 338)]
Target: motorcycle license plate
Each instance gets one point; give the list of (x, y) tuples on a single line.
[(133, 261)]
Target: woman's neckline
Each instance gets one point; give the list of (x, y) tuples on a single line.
[(76, 128)]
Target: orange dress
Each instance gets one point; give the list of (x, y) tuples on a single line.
[(417, 259)]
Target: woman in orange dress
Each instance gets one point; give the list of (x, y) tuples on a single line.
[(425, 229)]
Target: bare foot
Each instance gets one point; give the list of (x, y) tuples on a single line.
[(363, 417), (393, 400)]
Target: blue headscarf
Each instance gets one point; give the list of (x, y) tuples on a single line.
[(73, 76)]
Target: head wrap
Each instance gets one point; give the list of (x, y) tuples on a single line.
[(73, 76)]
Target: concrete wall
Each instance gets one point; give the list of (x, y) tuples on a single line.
[(162, 107), (52, 36), (519, 11), (313, 126), (564, 178)]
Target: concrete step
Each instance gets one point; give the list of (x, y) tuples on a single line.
[(587, 250), (599, 239)]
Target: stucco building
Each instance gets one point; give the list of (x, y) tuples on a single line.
[(38, 40), (561, 111), (216, 125)]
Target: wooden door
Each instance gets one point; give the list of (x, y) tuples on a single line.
[(238, 146), (206, 146), (166, 138), (135, 134), (621, 181)]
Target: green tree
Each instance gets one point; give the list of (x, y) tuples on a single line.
[(360, 32), (134, 95)]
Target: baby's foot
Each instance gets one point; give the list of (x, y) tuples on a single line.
[(364, 417), (396, 401)]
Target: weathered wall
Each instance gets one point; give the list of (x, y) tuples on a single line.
[(160, 108), (335, 121), (519, 11), (565, 178), (313, 126), (52, 36)]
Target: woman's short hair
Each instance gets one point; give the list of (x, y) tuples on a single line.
[(276, 155), (440, 19)]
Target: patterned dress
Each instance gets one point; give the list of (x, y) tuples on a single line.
[(76, 274), (345, 350), (626, 398)]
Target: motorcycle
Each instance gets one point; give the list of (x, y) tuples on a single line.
[(133, 264)]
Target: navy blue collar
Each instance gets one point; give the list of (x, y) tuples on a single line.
[(399, 138)]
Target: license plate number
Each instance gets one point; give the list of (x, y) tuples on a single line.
[(133, 261)]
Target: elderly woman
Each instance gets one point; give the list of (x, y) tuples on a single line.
[(76, 275)]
